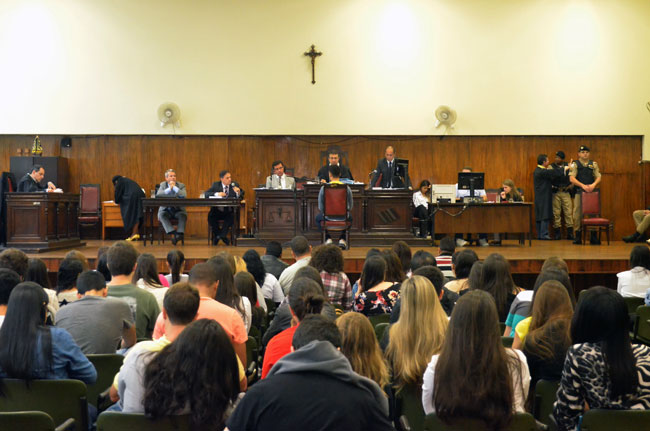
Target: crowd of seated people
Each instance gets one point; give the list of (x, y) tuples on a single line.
[(321, 361)]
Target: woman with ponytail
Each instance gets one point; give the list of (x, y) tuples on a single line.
[(176, 265), (305, 297)]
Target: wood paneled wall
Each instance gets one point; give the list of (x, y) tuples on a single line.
[(198, 160)]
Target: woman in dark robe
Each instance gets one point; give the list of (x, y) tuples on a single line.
[(129, 195)]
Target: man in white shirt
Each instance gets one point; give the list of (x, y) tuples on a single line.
[(279, 179), (170, 188), (301, 251)]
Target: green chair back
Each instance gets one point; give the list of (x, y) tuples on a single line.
[(107, 365), (116, 421), (642, 325), (616, 420), (408, 403), (32, 421), (252, 353), (545, 396), (61, 399), (633, 304), (379, 318), (507, 341), (380, 329), (520, 422)]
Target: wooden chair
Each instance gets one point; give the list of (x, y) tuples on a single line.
[(90, 210), (545, 396), (31, 421), (591, 217), (117, 421), (107, 365), (335, 211), (61, 399), (616, 420), (520, 422)]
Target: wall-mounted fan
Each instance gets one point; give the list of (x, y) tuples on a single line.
[(445, 116), (169, 113)]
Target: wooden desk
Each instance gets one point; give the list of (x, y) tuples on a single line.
[(39, 222), (455, 218), (150, 205), (111, 216)]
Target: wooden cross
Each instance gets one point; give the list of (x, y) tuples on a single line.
[(313, 54)]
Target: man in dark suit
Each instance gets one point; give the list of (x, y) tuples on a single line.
[(543, 177), (31, 182), (333, 158), (392, 175), (225, 188)]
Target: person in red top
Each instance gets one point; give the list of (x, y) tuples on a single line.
[(305, 297)]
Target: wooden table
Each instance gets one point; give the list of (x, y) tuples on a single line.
[(508, 217), (150, 205), (39, 222)]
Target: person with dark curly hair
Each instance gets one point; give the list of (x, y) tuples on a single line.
[(328, 260), (202, 382)]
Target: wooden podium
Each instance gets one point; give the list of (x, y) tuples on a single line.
[(39, 222)]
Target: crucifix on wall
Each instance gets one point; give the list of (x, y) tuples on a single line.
[(313, 54)]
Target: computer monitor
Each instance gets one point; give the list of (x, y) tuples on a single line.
[(443, 193), (471, 181)]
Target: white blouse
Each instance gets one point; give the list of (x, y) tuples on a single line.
[(521, 386), (272, 288), (419, 199), (633, 283)]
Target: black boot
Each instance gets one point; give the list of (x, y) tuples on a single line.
[(569, 234), (174, 237), (423, 229), (632, 238), (578, 239), (593, 240), (558, 233)]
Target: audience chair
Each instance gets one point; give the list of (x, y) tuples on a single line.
[(335, 211), (545, 396), (642, 325), (90, 209), (379, 318), (117, 421), (31, 421), (520, 422), (380, 330), (616, 420), (591, 217), (507, 341), (61, 399), (408, 408), (633, 303), (252, 359), (107, 365)]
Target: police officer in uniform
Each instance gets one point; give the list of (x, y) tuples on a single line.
[(562, 193), (585, 176)]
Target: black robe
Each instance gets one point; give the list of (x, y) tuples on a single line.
[(129, 195), (324, 173), (543, 180), (28, 185)]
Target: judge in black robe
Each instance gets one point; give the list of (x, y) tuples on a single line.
[(543, 181), (129, 195)]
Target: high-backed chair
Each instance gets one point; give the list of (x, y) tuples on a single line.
[(61, 399), (90, 209), (117, 421), (335, 211), (591, 217)]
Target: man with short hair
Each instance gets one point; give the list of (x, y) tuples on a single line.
[(392, 175), (562, 189), (319, 389), (8, 280), (335, 178), (585, 176), (301, 252), (422, 258), (31, 182), (225, 188), (271, 260), (121, 260), (170, 188), (279, 179), (97, 324), (446, 250), (204, 278), (543, 177), (333, 159)]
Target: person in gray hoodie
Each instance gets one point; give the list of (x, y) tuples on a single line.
[(313, 388)]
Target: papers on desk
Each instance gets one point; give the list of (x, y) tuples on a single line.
[(215, 197), (57, 190)]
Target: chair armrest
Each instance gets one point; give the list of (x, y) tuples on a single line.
[(68, 425)]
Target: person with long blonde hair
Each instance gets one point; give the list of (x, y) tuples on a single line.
[(359, 344), (412, 343)]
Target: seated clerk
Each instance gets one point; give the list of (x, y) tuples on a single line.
[(421, 201), (460, 194), (333, 159), (334, 178), (279, 179), (510, 193)]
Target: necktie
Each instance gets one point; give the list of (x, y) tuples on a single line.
[(390, 174), (225, 190)]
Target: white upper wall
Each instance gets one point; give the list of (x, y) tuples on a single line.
[(236, 67)]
